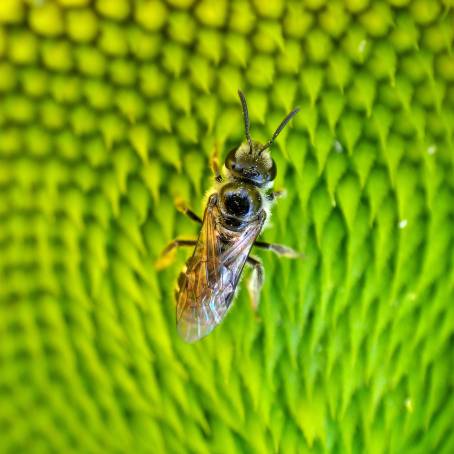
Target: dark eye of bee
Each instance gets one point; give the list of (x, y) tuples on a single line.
[(240, 201)]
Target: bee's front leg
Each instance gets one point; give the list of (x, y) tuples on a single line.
[(255, 281), (215, 163)]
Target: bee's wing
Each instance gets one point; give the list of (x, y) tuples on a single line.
[(208, 286)]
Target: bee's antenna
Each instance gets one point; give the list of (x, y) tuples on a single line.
[(246, 119), (280, 128)]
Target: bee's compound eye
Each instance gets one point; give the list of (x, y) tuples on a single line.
[(272, 172), (230, 160)]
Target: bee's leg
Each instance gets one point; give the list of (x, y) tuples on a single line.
[(215, 163), (279, 249), (181, 206), (177, 243), (276, 194), (255, 281), (165, 260)]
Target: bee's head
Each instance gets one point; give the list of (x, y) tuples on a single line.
[(254, 167), (251, 161)]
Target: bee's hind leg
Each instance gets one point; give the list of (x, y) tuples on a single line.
[(165, 259), (255, 281), (177, 243), (279, 249)]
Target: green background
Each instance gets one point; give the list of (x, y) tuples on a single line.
[(109, 111)]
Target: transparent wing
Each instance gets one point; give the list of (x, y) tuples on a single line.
[(208, 285)]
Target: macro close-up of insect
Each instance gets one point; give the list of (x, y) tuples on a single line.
[(237, 209), (227, 226)]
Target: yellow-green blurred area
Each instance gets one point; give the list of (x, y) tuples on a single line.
[(109, 111)]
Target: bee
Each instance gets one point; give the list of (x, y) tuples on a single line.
[(235, 214)]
